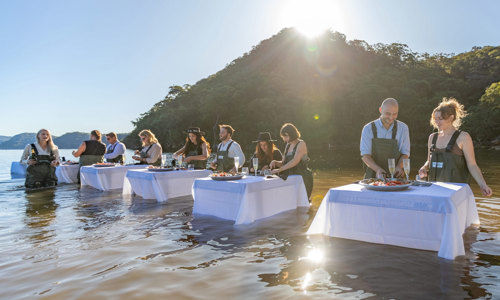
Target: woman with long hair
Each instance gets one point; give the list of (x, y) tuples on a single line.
[(266, 151), (196, 150), (295, 157), (451, 151), (42, 159), (151, 149)]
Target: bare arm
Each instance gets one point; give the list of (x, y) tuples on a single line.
[(179, 152), (80, 150), (424, 170), (370, 162), (465, 141)]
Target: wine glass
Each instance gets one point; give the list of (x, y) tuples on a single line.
[(255, 162), (236, 163), (392, 167), (244, 171), (406, 166), (163, 160), (179, 161)]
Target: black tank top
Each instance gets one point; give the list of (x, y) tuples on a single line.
[(93, 147)]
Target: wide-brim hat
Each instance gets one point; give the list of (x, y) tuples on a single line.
[(264, 137), (194, 130)]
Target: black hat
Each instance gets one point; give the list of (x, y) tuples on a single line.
[(194, 130), (264, 137)]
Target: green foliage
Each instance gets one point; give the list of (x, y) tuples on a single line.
[(328, 87)]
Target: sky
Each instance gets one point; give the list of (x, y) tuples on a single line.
[(98, 64)]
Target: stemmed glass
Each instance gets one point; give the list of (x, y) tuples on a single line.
[(392, 167), (406, 166), (211, 160), (236, 163), (179, 161), (163, 160), (255, 162)]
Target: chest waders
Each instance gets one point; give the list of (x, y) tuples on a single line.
[(447, 166), (224, 162), (41, 174), (301, 169), (145, 155), (382, 150), (198, 164), (119, 159)]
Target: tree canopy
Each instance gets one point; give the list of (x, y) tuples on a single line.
[(329, 88)]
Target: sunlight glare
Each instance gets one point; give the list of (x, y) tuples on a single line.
[(311, 18)]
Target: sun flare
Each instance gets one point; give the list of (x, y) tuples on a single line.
[(312, 17)]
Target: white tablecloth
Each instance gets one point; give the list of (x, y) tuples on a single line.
[(106, 178), (161, 185), (17, 168), (428, 218), (248, 199), (67, 173)]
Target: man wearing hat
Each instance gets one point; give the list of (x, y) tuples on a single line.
[(227, 150), (196, 150), (266, 151)]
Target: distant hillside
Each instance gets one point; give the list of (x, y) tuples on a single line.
[(19, 141), (329, 87), (70, 140), (4, 138)]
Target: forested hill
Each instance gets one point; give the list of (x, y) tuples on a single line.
[(329, 87)]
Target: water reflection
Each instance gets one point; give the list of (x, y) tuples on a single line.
[(40, 213)]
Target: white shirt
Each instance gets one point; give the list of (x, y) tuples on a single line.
[(234, 150), (118, 149), (27, 152), (153, 154)]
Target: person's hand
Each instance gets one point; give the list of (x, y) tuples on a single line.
[(275, 171), (188, 159), (213, 166), (272, 165), (31, 162), (233, 171), (252, 170), (73, 152), (265, 168), (380, 173), (54, 163), (486, 190), (398, 172), (137, 152), (136, 157), (422, 172)]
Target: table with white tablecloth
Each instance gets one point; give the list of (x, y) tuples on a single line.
[(18, 169), (161, 185), (248, 199), (428, 218), (67, 173), (106, 178)]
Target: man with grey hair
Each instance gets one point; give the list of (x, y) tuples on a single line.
[(385, 138)]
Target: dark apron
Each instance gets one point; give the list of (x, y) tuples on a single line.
[(145, 155), (447, 166), (300, 169), (224, 162), (41, 174), (198, 164), (119, 159), (382, 150)]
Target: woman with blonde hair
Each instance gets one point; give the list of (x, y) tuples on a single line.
[(450, 150), (151, 150), (42, 159)]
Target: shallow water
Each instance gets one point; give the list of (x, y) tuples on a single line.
[(72, 243)]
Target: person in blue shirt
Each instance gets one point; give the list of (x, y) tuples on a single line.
[(385, 138)]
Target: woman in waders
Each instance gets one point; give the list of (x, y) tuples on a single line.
[(42, 159), (295, 157), (151, 150), (91, 151), (451, 152), (196, 150)]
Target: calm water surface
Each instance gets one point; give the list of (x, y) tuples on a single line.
[(73, 243)]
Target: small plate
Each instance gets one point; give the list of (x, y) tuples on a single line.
[(160, 169), (227, 178), (103, 166)]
